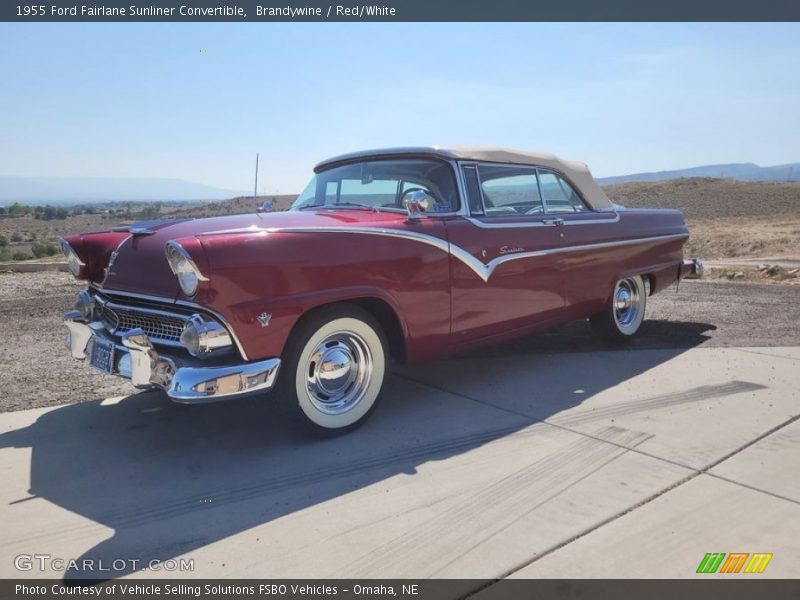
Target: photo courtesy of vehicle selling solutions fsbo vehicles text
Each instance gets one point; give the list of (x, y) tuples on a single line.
[(421, 299)]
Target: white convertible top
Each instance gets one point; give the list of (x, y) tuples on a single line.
[(575, 172)]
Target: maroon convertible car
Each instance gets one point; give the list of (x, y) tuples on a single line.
[(409, 253)]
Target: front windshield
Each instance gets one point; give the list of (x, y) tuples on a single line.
[(381, 184)]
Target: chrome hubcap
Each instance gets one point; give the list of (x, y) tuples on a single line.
[(627, 303), (338, 372)]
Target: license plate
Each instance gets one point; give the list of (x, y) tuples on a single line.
[(102, 356)]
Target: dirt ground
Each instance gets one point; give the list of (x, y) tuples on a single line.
[(753, 236), (706, 198), (36, 369)]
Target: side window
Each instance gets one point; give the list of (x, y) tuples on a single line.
[(510, 191), (559, 195), (473, 190)]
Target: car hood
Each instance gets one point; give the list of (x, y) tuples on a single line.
[(138, 264)]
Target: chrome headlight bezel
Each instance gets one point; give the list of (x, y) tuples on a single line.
[(74, 262), (184, 268)]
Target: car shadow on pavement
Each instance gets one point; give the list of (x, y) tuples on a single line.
[(170, 479)]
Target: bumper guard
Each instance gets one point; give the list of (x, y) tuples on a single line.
[(691, 268)]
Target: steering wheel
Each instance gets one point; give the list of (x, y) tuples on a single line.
[(536, 210)]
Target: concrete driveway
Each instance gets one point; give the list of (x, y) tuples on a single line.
[(602, 464)]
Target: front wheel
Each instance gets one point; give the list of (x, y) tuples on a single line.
[(624, 313), (334, 366)]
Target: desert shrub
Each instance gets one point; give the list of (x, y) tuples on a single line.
[(16, 237), (40, 250), (20, 256), (3, 241), (51, 212)]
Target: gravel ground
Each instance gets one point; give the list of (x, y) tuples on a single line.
[(36, 370)]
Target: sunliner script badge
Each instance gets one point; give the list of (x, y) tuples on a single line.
[(510, 249)]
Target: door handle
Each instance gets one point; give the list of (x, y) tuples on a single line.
[(555, 222)]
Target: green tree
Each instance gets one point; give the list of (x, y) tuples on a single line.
[(17, 209)]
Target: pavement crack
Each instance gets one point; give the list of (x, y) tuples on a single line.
[(648, 500)]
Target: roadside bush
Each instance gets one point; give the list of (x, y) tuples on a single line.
[(16, 237), (20, 256), (41, 250), (3, 241), (49, 213)]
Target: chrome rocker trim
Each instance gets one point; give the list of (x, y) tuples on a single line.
[(182, 379)]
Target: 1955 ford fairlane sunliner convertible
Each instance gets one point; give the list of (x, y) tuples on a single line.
[(409, 253)]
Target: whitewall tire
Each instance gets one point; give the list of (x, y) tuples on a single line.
[(335, 366), (624, 313)]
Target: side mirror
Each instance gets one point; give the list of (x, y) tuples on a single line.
[(417, 202), (265, 207)]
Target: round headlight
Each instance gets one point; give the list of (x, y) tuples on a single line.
[(189, 276), (74, 262), (188, 280)]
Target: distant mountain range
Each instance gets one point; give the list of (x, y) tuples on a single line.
[(738, 171), (78, 190)]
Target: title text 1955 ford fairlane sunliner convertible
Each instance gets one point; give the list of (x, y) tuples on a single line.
[(411, 253)]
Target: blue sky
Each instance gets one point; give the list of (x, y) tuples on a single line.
[(197, 101)]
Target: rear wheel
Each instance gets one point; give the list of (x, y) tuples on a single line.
[(334, 367), (624, 314)]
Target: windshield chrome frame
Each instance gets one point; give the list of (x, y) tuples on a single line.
[(457, 179)]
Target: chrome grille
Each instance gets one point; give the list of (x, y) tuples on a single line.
[(160, 326)]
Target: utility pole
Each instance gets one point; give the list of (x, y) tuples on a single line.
[(255, 186)]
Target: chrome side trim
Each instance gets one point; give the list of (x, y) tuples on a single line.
[(381, 231), (542, 223), (485, 271), (482, 270)]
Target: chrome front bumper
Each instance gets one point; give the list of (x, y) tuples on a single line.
[(183, 378)]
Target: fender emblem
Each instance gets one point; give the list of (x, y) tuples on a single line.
[(264, 318), (510, 249)]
